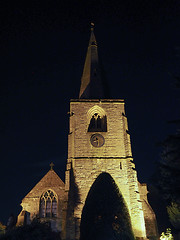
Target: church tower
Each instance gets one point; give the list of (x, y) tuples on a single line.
[(99, 142)]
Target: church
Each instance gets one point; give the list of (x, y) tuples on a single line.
[(99, 147)]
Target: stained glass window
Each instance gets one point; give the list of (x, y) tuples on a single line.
[(54, 208), (48, 205), (42, 208)]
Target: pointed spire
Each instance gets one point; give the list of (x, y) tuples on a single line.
[(91, 82)]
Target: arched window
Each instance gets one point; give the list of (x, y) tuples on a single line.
[(97, 120), (48, 205), (97, 123)]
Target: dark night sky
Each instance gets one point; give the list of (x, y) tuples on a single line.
[(42, 52)]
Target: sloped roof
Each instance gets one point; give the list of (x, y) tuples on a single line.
[(50, 181)]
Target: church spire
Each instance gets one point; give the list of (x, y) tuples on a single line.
[(91, 82)]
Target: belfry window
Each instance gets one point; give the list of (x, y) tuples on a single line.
[(48, 205), (97, 123)]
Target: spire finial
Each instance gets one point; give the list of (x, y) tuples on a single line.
[(92, 26), (51, 165)]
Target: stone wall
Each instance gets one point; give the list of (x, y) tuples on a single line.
[(149, 216), (86, 162), (31, 202)]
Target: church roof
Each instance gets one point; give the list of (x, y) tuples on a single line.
[(91, 81), (50, 181)]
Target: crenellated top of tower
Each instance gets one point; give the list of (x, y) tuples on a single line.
[(91, 81)]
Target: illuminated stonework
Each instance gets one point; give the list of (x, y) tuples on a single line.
[(45, 200), (110, 152), (98, 142), (86, 163)]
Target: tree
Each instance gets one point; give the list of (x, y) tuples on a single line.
[(167, 236), (2, 228), (169, 173), (35, 231), (174, 214), (169, 167), (105, 215)]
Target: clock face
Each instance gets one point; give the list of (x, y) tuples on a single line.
[(97, 140)]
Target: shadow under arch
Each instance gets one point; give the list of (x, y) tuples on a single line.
[(105, 215)]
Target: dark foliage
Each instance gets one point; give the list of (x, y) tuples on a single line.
[(11, 222), (35, 231), (169, 178), (105, 215), (169, 167), (169, 173)]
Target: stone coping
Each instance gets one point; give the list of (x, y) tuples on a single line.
[(98, 100)]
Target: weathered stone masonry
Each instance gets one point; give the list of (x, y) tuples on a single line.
[(98, 141)]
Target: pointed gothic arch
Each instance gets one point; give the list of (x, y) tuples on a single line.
[(97, 120), (48, 207), (105, 214)]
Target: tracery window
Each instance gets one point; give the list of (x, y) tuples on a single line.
[(97, 123), (48, 205)]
